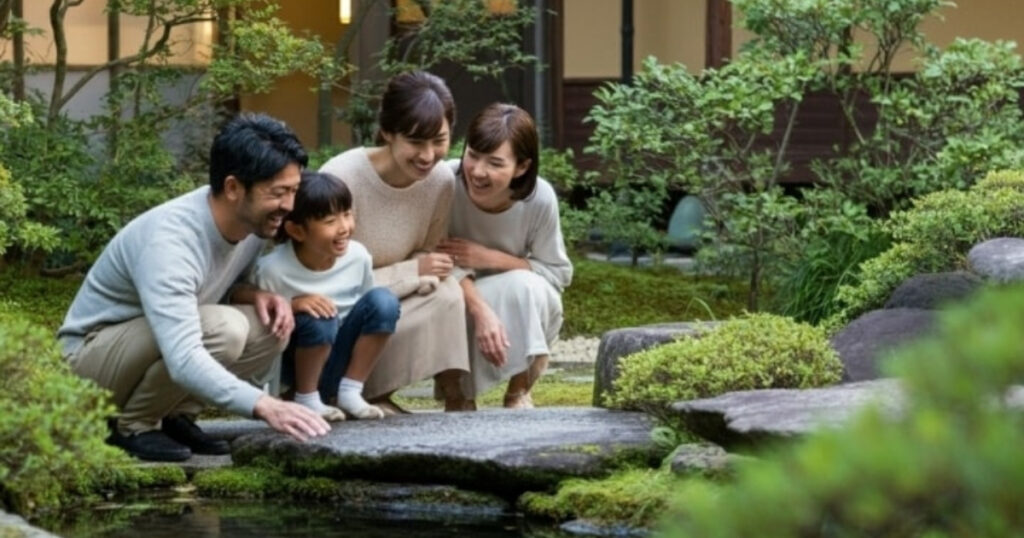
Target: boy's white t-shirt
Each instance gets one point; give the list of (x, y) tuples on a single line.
[(281, 272)]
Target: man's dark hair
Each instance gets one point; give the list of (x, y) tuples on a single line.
[(320, 194), (253, 148), (415, 105)]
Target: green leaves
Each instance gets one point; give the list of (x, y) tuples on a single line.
[(755, 351)]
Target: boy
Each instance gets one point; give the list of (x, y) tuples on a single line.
[(341, 321)]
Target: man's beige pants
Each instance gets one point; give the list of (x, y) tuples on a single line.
[(124, 359)]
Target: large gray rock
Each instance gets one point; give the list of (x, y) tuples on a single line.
[(500, 451), (753, 416), (619, 343), (934, 290), (1000, 259), (867, 339)]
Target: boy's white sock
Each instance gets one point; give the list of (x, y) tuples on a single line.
[(310, 400), (350, 400)]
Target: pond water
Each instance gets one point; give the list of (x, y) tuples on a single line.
[(237, 519)]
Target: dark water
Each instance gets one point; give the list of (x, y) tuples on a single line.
[(237, 519)]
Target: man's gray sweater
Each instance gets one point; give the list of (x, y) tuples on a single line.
[(163, 265)]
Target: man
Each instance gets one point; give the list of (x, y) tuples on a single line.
[(151, 324)]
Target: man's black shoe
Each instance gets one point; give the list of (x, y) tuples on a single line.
[(183, 430), (152, 446)]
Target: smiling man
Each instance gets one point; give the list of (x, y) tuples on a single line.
[(162, 320)]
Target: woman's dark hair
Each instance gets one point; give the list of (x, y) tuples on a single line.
[(253, 148), (415, 105), (320, 194), (500, 122)]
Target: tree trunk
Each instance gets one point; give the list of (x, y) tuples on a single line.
[(18, 86)]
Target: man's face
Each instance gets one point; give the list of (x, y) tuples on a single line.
[(267, 203)]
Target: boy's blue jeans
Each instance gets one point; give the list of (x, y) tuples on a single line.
[(375, 312)]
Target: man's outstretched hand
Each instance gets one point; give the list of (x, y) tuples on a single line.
[(296, 420)]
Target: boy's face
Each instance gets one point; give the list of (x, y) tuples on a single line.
[(328, 236)]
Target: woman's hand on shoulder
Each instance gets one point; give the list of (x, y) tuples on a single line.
[(315, 305), (437, 264)]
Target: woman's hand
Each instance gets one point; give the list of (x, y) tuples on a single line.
[(468, 254), (490, 336), (437, 264), (315, 305)]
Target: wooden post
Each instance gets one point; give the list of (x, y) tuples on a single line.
[(718, 47)]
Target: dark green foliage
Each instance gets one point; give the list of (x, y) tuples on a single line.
[(759, 351), (948, 466), (935, 235), (636, 497), (39, 300), (604, 296), (52, 425)]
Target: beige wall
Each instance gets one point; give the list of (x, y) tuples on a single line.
[(292, 99), (86, 29), (671, 30)]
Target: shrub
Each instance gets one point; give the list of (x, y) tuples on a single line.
[(52, 425), (949, 465), (758, 351), (935, 234)]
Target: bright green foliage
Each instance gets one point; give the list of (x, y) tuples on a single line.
[(636, 497), (955, 119), (759, 351), (15, 229), (935, 235), (52, 425), (603, 297), (948, 466), (87, 178)]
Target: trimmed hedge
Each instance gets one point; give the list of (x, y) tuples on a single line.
[(935, 235), (753, 352)]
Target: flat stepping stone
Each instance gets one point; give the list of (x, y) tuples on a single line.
[(14, 526), (753, 416), (500, 451)]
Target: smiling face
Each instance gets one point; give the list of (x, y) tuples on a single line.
[(320, 241), (488, 176), (264, 206), (414, 158)]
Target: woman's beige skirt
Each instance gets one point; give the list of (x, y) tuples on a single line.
[(531, 310), (430, 338)]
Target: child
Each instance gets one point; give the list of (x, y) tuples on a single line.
[(341, 321)]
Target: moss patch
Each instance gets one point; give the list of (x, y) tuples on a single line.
[(637, 497), (604, 296)]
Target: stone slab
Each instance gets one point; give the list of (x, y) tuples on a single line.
[(500, 451), (752, 416)]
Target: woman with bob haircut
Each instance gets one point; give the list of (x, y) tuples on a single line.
[(505, 229), (401, 197)]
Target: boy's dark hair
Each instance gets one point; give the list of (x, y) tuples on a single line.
[(253, 148), (496, 124), (320, 194), (415, 105)]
